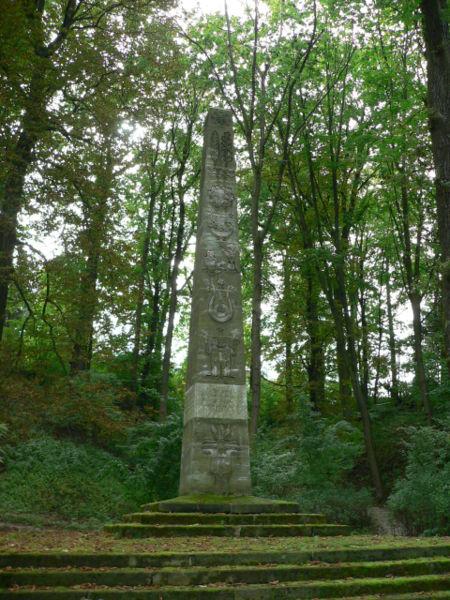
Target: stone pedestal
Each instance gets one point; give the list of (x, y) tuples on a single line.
[(215, 455)]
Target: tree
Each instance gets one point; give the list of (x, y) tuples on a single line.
[(435, 15)]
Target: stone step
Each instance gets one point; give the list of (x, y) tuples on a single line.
[(409, 596), (222, 504), (162, 518), (138, 530), (201, 576), (275, 591), (207, 559)]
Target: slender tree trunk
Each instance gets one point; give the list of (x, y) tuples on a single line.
[(288, 336), (255, 369), (437, 43), (173, 300), (92, 242), (364, 334), (412, 272), (418, 355), (84, 329), (392, 341), (316, 359), (255, 364), (152, 332), (345, 385), (379, 344), (140, 293), (352, 360)]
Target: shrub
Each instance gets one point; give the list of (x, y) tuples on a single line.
[(82, 408), (68, 481), (312, 467), (3, 432), (421, 499), (154, 450)]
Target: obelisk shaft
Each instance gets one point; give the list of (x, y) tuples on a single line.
[(215, 455)]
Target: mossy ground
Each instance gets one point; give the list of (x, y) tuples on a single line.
[(62, 540)]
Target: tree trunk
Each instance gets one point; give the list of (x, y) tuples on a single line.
[(379, 345), (140, 293), (92, 241), (345, 386), (255, 367), (288, 337), (316, 359), (87, 306), (173, 300), (437, 43), (18, 161), (418, 355), (352, 363), (392, 341), (364, 343)]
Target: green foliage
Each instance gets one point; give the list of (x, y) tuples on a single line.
[(89, 409), (154, 451), (68, 481), (82, 408), (3, 432), (422, 497), (312, 467)]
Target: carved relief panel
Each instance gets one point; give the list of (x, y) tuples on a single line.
[(218, 354), (222, 448)]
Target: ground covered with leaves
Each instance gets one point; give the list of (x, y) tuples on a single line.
[(61, 540)]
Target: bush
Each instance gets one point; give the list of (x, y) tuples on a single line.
[(154, 450), (421, 499), (312, 467), (3, 432), (67, 481)]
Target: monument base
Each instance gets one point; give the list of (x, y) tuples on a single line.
[(231, 516)]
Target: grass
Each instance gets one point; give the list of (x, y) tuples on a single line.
[(63, 540)]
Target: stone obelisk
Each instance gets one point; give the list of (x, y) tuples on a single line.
[(215, 455)]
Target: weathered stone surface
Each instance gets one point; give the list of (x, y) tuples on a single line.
[(215, 400), (215, 455)]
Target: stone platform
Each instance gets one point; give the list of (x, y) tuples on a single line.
[(245, 516)]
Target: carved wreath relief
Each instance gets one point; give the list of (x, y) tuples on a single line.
[(220, 446)]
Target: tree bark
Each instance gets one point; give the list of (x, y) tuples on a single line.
[(92, 241), (255, 365), (316, 359), (392, 341), (288, 336), (173, 300), (352, 363), (140, 293), (18, 161), (437, 43), (421, 379)]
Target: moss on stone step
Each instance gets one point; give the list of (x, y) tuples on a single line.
[(224, 575), (320, 589), (187, 559), (165, 518), (207, 503), (138, 530)]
